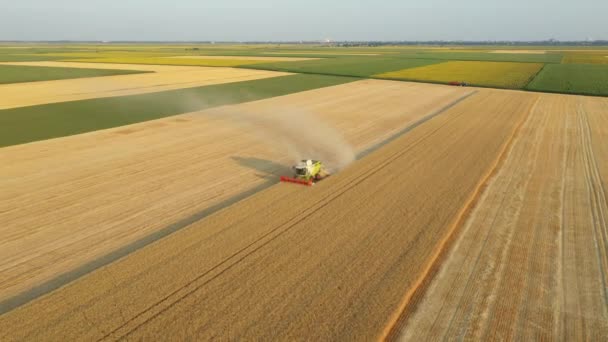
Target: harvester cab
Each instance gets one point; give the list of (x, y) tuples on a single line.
[(300, 170), (307, 172)]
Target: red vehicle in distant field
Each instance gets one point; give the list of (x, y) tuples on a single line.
[(459, 83)]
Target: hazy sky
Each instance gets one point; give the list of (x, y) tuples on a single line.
[(241, 20)]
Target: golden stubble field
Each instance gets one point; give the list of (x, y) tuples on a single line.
[(341, 260), (162, 78), (531, 262), (68, 201), (487, 221)]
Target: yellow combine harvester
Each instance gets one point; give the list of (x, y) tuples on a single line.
[(307, 172)]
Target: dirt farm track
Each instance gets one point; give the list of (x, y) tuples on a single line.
[(469, 214)]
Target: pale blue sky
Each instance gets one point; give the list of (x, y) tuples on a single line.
[(241, 20)]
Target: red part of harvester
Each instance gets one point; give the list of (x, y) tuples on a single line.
[(296, 181), (458, 83)]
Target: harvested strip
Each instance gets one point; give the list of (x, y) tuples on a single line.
[(10, 74), (531, 261), (146, 67), (248, 58), (66, 202), (36, 93), (335, 258)]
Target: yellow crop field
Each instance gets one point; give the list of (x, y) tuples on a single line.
[(172, 61), (585, 59), (491, 74)]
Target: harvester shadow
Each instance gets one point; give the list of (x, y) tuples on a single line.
[(266, 169)]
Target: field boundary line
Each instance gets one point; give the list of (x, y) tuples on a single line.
[(419, 287), (487, 235), (415, 124), (531, 79)]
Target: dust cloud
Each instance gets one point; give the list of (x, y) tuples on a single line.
[(295, 132)]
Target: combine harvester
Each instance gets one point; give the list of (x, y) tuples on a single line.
[(459, 83), (307, 172)]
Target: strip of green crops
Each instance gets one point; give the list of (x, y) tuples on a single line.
[(27, 124), (584, 79), (19, 73), (27, 58)]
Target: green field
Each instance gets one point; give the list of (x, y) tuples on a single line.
[(486, 74), (18, 73), (585, 79), (27, 124)]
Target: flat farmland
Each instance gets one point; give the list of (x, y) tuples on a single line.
[(531, 262), (484, 56), (163, 78), (83, 65), (24, 58), (493, 74), (521, 64), (359, 66), (586, 58), (21, 73), (519, 51), (148, 206), (589, 79), (67, 202), (27, 124), (340, 259), (249, 58), (174, 60)]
